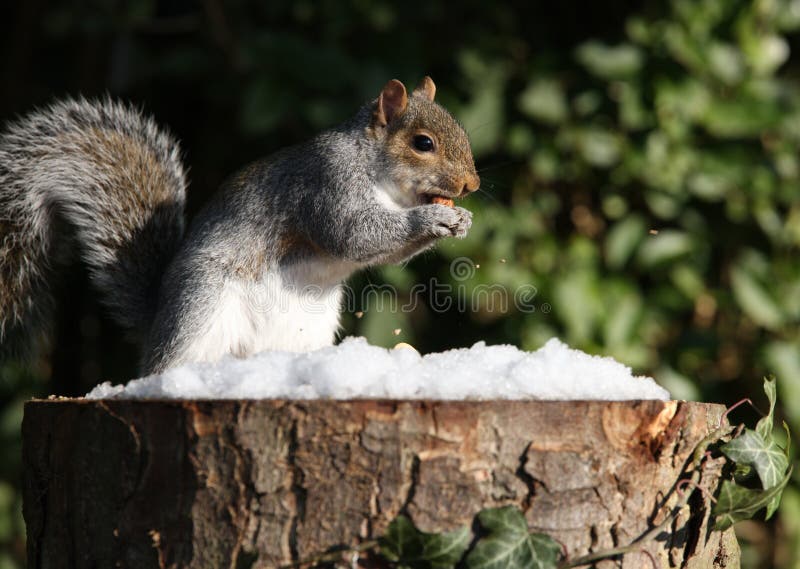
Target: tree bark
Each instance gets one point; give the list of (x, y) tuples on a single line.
[(256, 484)]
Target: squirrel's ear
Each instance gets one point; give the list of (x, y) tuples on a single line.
[(426, 88), (392, 102)]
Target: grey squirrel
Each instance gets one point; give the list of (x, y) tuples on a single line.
[(262, 265)]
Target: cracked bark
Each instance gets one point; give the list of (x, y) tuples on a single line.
[(258, 484)]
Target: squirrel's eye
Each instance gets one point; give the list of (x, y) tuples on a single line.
[(423, 143)]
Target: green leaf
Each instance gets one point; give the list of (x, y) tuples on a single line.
[(408, 547), (444, 550), (610, 62), (679, 385), (726, 62), (623, 238), (625, 311), (667, 246), (633, 113), (759, 449), (756, 448), (736, 503), (755, 301), (744, 116), (577, 305), (751, 447), (688, 280), (767, 52), (401, 540), (509, 544), (764, 426), (599, 147), (544, 100)]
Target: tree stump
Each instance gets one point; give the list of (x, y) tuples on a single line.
[(256, 484)]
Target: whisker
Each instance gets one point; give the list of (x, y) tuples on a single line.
[(492, 179), (494, 183), (472, 130), (484, 194)]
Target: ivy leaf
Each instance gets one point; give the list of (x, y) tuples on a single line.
[(509, 544), (764, 426), (758, 448), (405, 545), (764, 454), (736, 503)]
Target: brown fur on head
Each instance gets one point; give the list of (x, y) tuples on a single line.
[(427, 152)]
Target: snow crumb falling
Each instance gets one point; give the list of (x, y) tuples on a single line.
[(356, 370)]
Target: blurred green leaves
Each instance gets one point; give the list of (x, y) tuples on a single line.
[(544, 100), (610, 62), (754, 299)]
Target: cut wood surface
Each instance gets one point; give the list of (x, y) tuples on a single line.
[(238, 484)]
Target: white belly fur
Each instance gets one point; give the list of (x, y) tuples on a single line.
[(296, 309)]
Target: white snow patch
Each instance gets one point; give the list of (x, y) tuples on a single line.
[(356, 370)]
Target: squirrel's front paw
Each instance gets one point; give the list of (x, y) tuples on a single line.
[(451, 221)]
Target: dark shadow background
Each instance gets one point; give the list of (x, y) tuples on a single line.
[(640, 166)]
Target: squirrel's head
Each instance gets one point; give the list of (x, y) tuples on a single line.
[(426, 151)]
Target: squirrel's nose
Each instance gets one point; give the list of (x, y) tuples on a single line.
[(471, 183)]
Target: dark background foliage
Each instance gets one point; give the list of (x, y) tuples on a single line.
[(640, 166)]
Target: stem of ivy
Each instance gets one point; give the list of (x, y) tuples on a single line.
[(331, 555), (697, 461)]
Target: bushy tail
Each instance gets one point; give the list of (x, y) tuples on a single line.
[(93, 176)]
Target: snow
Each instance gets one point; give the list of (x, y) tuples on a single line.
[(356, 370)]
